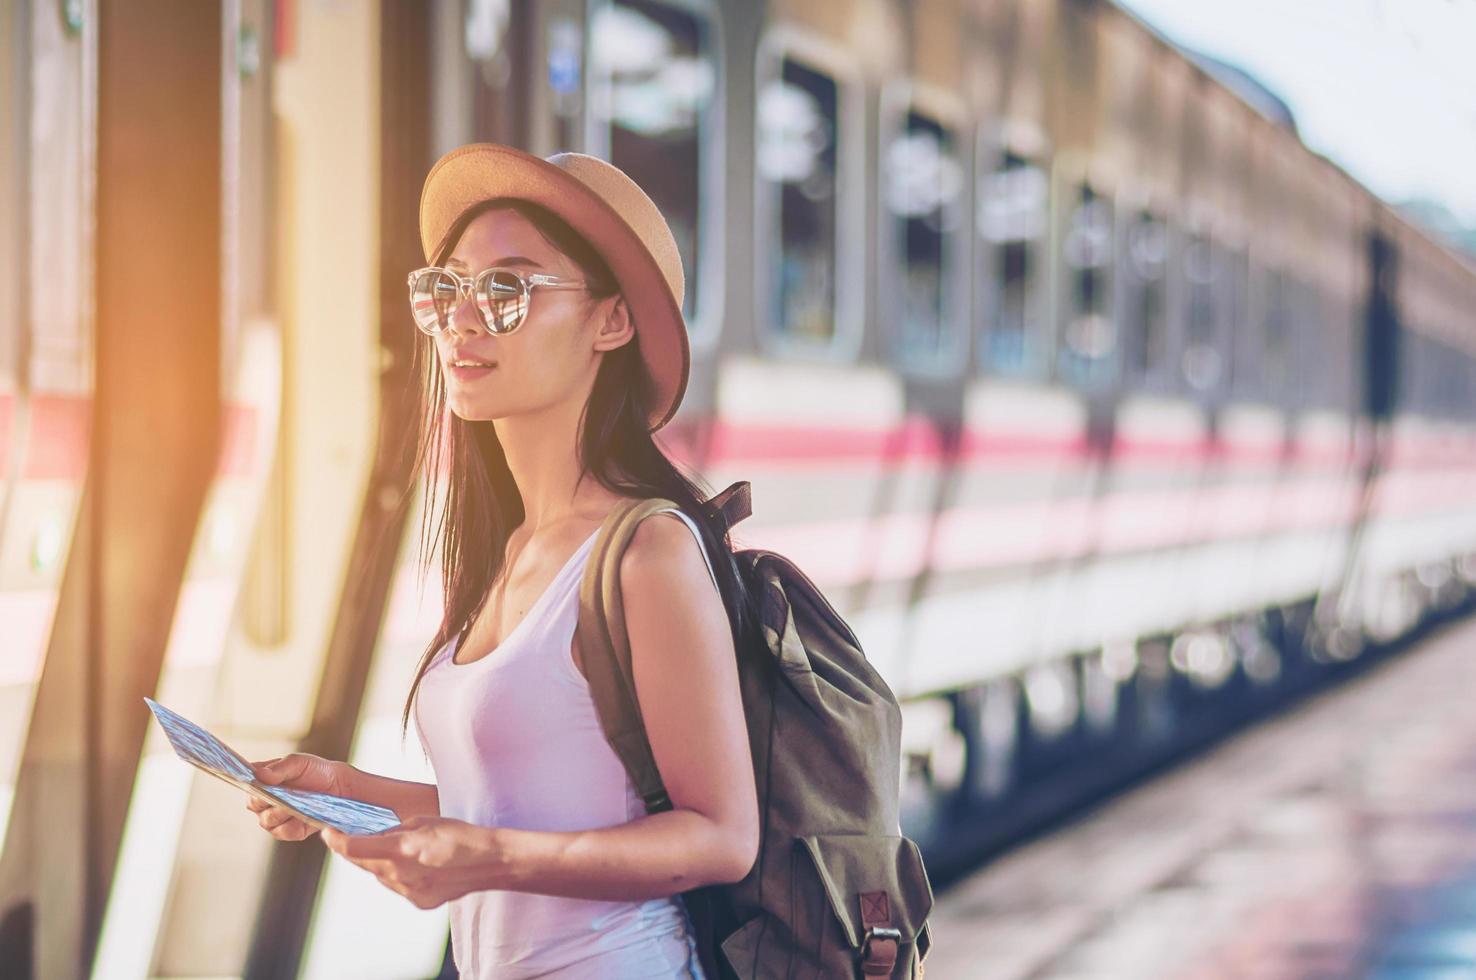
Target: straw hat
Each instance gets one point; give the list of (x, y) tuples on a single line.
[(610, 210)]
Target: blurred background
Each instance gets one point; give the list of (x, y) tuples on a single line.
[(1109, 365)]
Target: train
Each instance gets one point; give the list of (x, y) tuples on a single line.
[(1104, 410)]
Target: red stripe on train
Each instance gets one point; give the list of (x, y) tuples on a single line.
[(57, 440), (59, 424)]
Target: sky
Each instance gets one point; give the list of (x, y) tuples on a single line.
[(1386, 88)]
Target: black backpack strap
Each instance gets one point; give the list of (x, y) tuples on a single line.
[(733, 504)]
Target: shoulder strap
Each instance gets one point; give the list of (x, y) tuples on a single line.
[(733, 504), (602, 647), (603, 650)]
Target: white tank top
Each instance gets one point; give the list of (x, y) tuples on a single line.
[(515, 741)]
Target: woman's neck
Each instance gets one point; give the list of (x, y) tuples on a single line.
[(540, 450)]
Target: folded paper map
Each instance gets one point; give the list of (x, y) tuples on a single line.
[(203, 750)]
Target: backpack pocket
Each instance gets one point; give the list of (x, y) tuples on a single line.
[(851, 897), (877, 893)]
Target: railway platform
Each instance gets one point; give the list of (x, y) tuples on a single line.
[(1337, 840)]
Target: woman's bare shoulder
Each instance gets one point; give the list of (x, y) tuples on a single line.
[(662, 548)]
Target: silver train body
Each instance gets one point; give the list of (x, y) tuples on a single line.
[(1096, 402)]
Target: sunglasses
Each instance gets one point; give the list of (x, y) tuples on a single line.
[(502, 296)]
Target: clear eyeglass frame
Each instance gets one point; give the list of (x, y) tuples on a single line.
[(475, 285)]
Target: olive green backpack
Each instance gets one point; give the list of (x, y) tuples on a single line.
[(837, 890)]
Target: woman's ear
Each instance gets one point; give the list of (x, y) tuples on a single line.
[(615, 324)]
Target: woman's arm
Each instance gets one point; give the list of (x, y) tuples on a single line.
[(650, 857), (305, 771), (406, 798), (433, 860), (686, 677)]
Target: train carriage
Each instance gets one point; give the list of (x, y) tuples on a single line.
[(1105, 411)]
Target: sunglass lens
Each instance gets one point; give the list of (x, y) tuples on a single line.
[(433, 301), (503, 300)]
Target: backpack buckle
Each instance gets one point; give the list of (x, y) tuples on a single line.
[(656, 800), (879, 951), (733, 504)]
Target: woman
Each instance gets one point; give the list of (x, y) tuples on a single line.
[(552, 311)]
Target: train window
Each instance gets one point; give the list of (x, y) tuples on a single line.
[(1448, 380), (921, 187), (1316, 350), (1278, 338), (1340, 363), (798, 115), (1430, 379), (1435, 377), (1460, 383), (1440, 379), (1145, 297), (1429, 374), (1452, 369), (1013, 209), (11, 319), (1412, 390), (1204, 297), (1085, 354), (1419, 390), (1240, 366), (653, 82), (14, 142)]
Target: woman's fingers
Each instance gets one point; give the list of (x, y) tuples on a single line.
[(273, 817), (281, 824), (301, 770), (284, 826)]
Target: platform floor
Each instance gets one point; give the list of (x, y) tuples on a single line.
[(1335, 841)]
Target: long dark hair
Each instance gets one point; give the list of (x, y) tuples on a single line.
[(482, 504)]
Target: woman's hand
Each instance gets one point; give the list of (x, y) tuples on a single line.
[(299, 770), (429, 860)]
